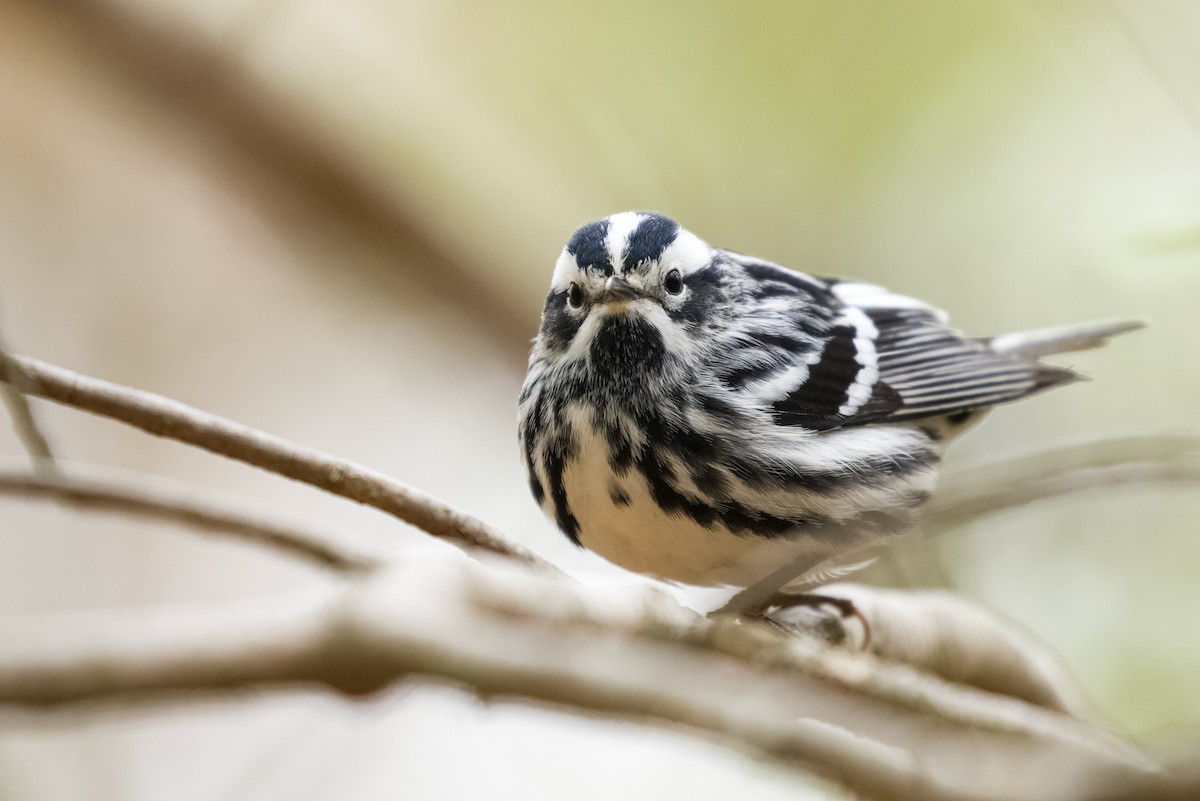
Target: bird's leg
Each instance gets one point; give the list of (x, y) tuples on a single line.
[(779, 613), (754, 600)]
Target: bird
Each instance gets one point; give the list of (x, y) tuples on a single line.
[(709, 418)]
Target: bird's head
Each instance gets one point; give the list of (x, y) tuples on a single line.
[(633, 271)]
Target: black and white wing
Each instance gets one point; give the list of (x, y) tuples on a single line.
[(824, 354), (933, 369)]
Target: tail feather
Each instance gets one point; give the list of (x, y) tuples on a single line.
[(1065, 339)]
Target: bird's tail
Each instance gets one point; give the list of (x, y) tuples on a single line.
[(1047, 341)]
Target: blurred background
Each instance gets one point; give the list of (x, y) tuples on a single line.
[(337, 221)]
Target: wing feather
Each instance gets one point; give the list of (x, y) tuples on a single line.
[(824, 354), (934, 369), (829, 382)]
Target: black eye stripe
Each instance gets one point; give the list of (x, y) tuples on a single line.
[(558, 325)]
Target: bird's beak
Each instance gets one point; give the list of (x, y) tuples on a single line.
[(617, 288)]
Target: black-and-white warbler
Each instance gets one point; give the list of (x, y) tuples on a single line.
[(706, 417)]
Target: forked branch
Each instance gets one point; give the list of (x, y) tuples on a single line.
[(502, 631), (15, 385), (1166, 458), (539, 637), (145, 500), (164, 417), (1015, 482)]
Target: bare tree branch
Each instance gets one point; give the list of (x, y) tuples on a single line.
[(526, 635), (986, 490), (503, 631), (942, 633), (164, 417), (1012, 483), (23, 420), (140, 499), (936, 632)]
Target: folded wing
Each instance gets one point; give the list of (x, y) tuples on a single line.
[(824, 354)]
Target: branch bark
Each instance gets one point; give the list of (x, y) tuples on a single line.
[(535, 636), (143, 500), (936, 632), (1165, 458), (24, 423), (941, 633), (1016, 482), (164, 417), (882, 729)]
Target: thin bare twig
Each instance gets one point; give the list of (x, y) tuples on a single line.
[(503, 631), (142, 499), (23, 420), (987, 490), (932, 631), (1013, 483), (1016, 482), (164, 417)]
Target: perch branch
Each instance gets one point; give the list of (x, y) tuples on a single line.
[(942, 633), (145, 501), (936, 632), (1016, 482), (164, 417), (504, 632)]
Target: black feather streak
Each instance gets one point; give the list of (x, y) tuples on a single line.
[(704, 295), (816, 402), (555, 465), (620, 450), (587, 246), (725, 412), (535, 486), (767, 272), (631, 383), (653, 235), (534, 423), (790, 344), (559, 326)]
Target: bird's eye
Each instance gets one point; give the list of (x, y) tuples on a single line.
[(673, 283), (575, 296)]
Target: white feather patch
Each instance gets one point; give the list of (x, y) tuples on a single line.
[(620, 226), (780, 386), (566, 270), (859, 392), (687, 253)]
